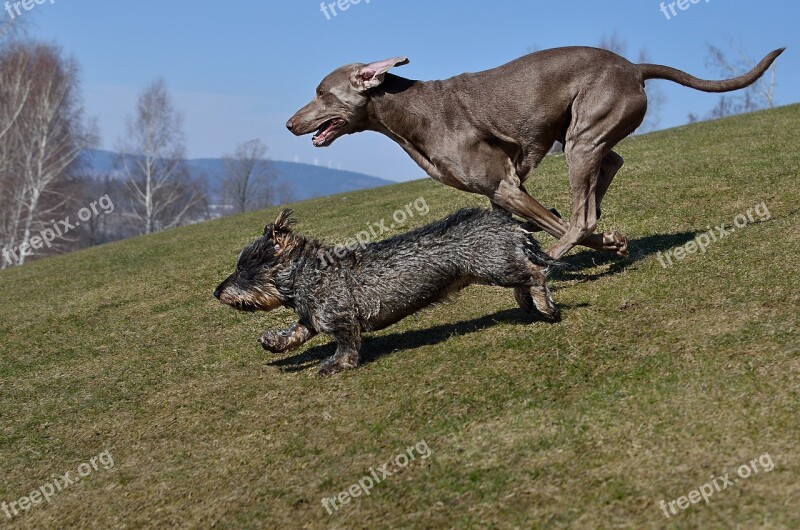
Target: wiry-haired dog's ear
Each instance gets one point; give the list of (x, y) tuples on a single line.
[(282, 225), (280, 232)]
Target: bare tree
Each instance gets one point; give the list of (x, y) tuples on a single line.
[(15, 86), (655, 95), (16, 83), (153, 165), (42, 141), (283, 193), (759, 95), (248, 182), (11, 29), (111, 196)]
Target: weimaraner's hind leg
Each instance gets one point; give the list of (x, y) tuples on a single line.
[(584, 171), (603, 119), (609, 168)]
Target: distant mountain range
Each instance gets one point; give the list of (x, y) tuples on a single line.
[(304, 180)]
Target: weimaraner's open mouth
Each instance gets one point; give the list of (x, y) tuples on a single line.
[(328, 132)]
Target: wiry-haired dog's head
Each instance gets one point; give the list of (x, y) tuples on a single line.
[(255, 284)]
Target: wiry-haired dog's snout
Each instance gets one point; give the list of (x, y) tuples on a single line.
[(244, 295)]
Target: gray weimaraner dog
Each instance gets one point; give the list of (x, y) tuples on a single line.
[(485, 132)]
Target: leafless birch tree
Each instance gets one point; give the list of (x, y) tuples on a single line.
[(152, 162), (40, 141)]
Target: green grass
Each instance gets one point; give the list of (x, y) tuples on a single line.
[(655, 380)]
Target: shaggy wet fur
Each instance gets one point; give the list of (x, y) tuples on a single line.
[(345, 293)]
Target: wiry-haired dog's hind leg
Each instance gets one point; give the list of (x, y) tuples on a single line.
[(348, 342), (536, 298)]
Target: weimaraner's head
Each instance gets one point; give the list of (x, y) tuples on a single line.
[(340, 105)]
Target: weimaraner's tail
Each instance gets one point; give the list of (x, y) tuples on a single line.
[(657, 71)]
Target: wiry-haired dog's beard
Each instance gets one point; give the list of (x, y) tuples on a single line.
[(263, 297)]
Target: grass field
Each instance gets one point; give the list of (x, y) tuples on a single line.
[(656, 381)]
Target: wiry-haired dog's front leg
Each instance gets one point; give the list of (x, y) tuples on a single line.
[(348, 342), (286, 339)]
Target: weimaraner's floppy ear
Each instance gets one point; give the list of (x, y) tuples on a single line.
[(371, 75)]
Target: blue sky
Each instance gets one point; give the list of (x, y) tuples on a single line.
[(238, 69)]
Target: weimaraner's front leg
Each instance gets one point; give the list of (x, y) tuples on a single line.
[(286, 339)]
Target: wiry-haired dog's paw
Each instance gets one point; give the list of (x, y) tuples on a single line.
[(335, 364), (274, 341), (544, 307), (552, 315), (539, 305)]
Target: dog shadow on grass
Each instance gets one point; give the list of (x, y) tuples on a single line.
[(639, 249), (376, 346)]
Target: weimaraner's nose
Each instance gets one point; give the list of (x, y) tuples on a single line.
[(290, 124)]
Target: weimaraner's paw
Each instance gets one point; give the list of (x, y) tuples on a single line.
[(616, 242)]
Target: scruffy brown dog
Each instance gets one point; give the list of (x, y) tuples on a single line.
[(375, 286)]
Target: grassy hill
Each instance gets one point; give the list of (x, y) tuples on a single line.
[(656, 381)]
